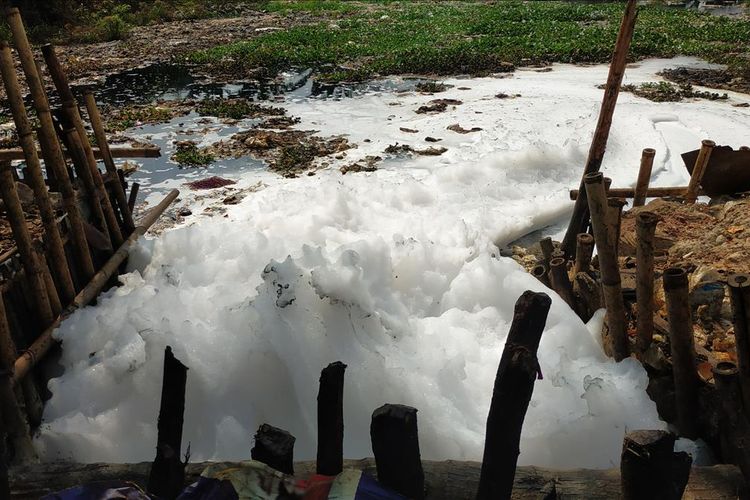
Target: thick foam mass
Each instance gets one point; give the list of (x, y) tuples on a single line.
[(395, 273)]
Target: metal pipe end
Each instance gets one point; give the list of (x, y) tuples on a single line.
[(649, 152), (647, 219), (708, 143), (585, 238), (593, 178), (725, 369), (739, 280), (675, 278)]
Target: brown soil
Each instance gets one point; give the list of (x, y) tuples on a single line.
[(713, 78)]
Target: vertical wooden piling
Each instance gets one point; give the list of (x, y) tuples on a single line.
[(616, 340), (52, 238), (683, 350), (644, 177), (395, 444), (109, 163), (514, 385), (167, 475), (707, 146), (70, 108), (650, 469), (561, 281), (579, 218), (645, 227), (275, 448), (739, 295), (330, 458), (584, 251)]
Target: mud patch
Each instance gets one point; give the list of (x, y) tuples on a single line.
[(210, 183), (669, 92), (401, 149), (367, 164), (714, 78), (432, 87)]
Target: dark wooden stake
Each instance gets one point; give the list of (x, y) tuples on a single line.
[(734, 429), (275, 448), (579, 219), (561, 282), (514, 385), (644, 177), (739, 288), (540, 272), (167, 475), (133, 196), (683, 350), (547, 248), (644, 261), (395, 444), (330, 459), (651, 469)]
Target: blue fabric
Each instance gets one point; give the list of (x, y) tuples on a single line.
[(101, 490)]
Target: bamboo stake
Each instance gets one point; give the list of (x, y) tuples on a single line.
[(49, 283), (645, 228), (579, 218), (561, 282), (109, 163), (47, 135), (547, 248), (42, 344), (739, 288), (70, 107), (653, 192), (644, 177), (540, 272), (584, 251), (616, 341), (699, 169), (683, 350), (614, 221), (52, 238)]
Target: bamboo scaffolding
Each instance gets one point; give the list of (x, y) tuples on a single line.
[(42, 344), (109, 163), (644, 177), (70, 108), (691, 194), (52, 238), (580, 216)]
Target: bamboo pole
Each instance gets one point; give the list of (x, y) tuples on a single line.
[(547, 248), (540, 272), (52, 238), (47, 136), (148, 152), (561, 282), (707, 146), (616, 341), (70, 108), (49, 283), (653, 192), (739, 288), (644, 261), (42, 344), (644, 177), (580, 216), (683, 350), (584, 251), (614, 221), (109, 163)]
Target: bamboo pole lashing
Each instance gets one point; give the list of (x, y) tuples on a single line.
[(699, 169), (645, 229), (33, 172), (644, 177)]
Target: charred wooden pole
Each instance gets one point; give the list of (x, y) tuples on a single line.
[(330, 459), (653, 192), (540, 272), (395, 444), (275, 448), (561, 282), (514, 385), (645, 227), (47, 136), (683, 350), (109, 163), (580, 216), (167, 477), (707, 146), (616, 340), (584, 251), (52, 238), (650, 469), (739, 287), (644, 177), (43, 343), (70, 108)]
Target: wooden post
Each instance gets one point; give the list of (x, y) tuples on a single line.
[(650, 469), (547, 249), (590, 292), (561, 282), (734, 431), (49, 284), (70, 108), (653, 192), (514, 384), (644, 266), (540, 272), (109, 163), (739, 288), (707, 146), (52, 237), (584, 251), (395, 444), (330, 457), (616, 340), (275, 448), (644, 177), (167, 476), (579, 218), (614, 221), (47, 136), (683, 350)]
